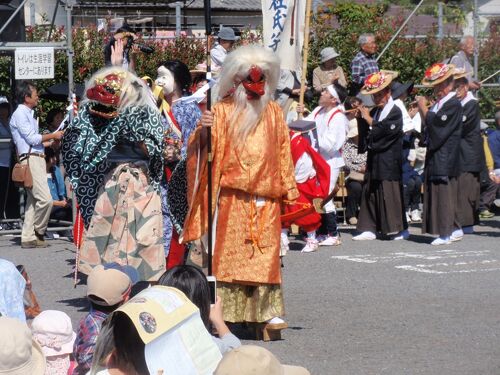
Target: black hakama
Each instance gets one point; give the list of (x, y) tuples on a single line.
[(439, 207), (468, 192), (382, 207)]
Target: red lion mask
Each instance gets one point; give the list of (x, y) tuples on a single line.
[(106, 95)]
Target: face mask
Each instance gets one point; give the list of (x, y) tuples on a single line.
[(254, 83), (165, 80)]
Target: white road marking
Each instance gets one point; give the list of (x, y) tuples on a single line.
[(449, 261)]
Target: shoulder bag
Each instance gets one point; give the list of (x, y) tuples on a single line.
[(21, 173)]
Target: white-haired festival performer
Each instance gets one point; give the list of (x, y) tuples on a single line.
[(252, 174), (112, 152)]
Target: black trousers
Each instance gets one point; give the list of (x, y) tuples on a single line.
[(354, 189), (412, 192), (9, 196)]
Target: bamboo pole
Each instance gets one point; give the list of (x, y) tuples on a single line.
[(305, 53), (208, 32), (486, 79)]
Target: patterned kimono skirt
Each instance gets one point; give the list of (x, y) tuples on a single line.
[(126, 226)]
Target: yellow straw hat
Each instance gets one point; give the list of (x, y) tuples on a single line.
[(437, 73), (460, 73), (378, 81)]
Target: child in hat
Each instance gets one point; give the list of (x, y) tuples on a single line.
[(52, 329), (108, 287)]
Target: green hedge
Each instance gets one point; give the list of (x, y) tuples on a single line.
[(410, 57)]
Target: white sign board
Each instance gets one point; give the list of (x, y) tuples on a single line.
[(34, 63)]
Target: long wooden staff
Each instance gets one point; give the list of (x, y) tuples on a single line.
[(208, 32), (305, 54), (486, 79)]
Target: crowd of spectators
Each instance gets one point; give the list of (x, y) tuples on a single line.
[(170, 328)]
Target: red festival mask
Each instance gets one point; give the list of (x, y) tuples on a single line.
[(106, 93), (254, 83)]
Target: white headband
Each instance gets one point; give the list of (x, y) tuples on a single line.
[(333, 92)]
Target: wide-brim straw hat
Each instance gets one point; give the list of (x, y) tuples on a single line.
[(378, 81), (199, 70), (460, 73), (437, 73)]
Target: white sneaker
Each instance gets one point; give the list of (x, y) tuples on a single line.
[(331, 241), (320, 238), (441, 241), (403, 235), (365, 236), (457, 235), (311, 245), (353, 221), (415, 216), (496, 202), (408, 217)]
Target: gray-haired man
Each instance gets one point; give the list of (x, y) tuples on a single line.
[(364, 62), (30, 148), (461, 60)]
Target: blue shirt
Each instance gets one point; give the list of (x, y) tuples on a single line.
[(25, 132), (56, 185)]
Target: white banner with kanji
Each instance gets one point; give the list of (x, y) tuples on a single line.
[(283, 30)]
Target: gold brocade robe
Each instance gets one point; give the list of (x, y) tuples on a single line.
[(249, 182)]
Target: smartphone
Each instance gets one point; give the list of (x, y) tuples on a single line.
[(212, 286)]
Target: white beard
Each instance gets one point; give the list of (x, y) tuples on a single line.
[(247, 113)]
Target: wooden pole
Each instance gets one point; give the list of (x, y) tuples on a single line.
[(208, 32), (305, 54)]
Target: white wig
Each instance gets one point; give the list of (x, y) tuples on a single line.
[(133, 92), (237, 64), (247, 113)]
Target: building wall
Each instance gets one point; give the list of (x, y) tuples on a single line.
[(42, 12)]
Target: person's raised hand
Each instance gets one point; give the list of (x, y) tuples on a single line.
[(363, 111), (117, 53), (300, 108)]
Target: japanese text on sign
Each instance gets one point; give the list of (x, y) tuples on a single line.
[(34, 63), (280, 10)]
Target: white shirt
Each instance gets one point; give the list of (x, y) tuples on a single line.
[(407, 120), (332, 130), (24, 130), (439, 104), (218, 55)]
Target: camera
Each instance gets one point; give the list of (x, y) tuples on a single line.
[(142, 47)]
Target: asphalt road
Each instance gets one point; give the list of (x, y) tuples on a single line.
[(378, 307)]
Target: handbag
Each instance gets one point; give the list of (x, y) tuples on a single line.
[(21, 173)]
